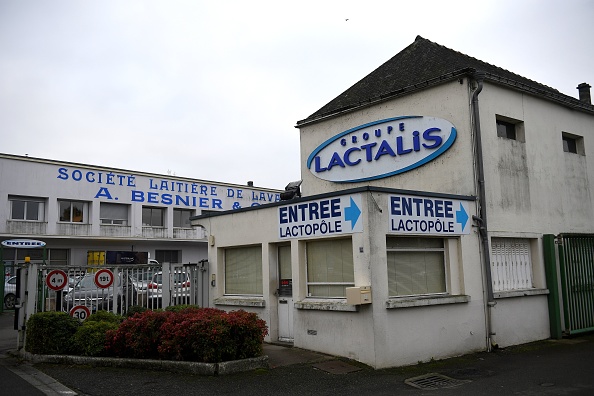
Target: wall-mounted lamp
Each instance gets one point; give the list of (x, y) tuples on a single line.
[(291, 191)]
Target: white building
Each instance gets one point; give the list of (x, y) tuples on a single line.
[(427, 189), (83, 212)]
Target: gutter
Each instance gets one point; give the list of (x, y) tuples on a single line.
[(481, 221)]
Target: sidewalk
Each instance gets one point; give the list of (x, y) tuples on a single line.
[(549, 367)]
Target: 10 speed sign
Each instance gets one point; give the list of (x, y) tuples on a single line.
[(103, 278), (56, 280)]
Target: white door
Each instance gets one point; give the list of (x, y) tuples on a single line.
[(285, 295)]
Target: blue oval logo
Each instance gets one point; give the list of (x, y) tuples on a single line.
[(23, 243), (381, 149)]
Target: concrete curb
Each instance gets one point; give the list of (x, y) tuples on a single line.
[(196, 368)]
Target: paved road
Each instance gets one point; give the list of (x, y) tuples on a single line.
[(563, 367)]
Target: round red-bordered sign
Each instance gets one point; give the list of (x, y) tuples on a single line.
[(104, 278), (80, 312), (56, 280)]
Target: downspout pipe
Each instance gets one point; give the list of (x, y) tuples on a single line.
[(481, 221)]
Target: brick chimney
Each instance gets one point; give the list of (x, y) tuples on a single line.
[(584, 90)]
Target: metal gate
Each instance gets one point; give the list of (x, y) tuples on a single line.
[(146, 285), (571, 266)]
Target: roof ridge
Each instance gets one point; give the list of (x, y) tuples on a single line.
[(419, 38), (424, 63)]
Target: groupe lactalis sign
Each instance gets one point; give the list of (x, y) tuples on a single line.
[(381, 149)]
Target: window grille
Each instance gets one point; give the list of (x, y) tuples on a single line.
[(511, 264)]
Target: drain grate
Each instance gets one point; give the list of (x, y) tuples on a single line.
[(434, 381)]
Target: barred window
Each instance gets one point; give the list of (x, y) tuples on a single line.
[(511, 264)]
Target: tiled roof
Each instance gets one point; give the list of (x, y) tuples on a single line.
[(425, 63)]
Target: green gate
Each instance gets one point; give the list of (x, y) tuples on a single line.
[(575, 260)]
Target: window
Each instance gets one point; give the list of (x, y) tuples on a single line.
[(416, 266), (573, 143), (510, 128), (72, 211), (153, 217), (243, 270), (54, 256), (167, 256), (329, 268), (114, 214), (181, 218), (506, 130), (285, 276), (511, 264), (25, 208)]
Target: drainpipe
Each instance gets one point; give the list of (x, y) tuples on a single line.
[(481, 221)]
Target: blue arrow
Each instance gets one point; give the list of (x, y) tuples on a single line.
[(461, 216), (352, 213)]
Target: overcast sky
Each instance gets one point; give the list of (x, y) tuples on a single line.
[(212, 90)]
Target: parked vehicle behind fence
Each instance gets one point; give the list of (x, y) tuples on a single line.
[(85, 292), (10, 293), (180, 289)]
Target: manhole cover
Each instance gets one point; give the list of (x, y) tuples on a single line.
[(336, 367), (434, 381)]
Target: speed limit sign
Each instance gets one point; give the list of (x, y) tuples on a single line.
[(80, 312), (103, 278), (56, 280)]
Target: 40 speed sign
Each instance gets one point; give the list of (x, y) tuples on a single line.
[(56, 280)]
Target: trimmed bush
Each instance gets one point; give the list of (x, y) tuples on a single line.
[(248, 332), (105, 316), (90, 338), (181, 307), (138, 336), (200, 335), (135, 309), (212, 335), (50, 333)]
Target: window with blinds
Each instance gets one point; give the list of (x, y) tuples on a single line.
[(416, 266), (115, 214), (511, 264), (329, 268), (243, 270)]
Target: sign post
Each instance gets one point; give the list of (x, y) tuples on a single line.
[(57, 280)]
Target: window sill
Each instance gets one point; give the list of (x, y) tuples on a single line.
[(423, 301), (241, 301), (520, 293), (325, 305)]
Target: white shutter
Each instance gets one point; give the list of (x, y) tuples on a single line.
[(511, 264)]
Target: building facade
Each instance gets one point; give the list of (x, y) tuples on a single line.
[(84, 213), (426, 189)]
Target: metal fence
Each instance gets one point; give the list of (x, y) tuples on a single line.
[(116, 288), (571, 307), (576, 264)]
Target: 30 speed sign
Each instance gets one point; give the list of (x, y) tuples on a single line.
[(103, 278), (80, 312), (56, 280)]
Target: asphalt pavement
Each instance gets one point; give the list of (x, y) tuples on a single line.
[(550, 367)]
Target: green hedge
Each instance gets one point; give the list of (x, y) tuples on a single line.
[(187, 333), (50, 333)]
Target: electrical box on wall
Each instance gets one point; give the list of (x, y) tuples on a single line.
[(358, 295)]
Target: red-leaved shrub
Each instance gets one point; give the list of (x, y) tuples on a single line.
[(192, 334), (138, 336)]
